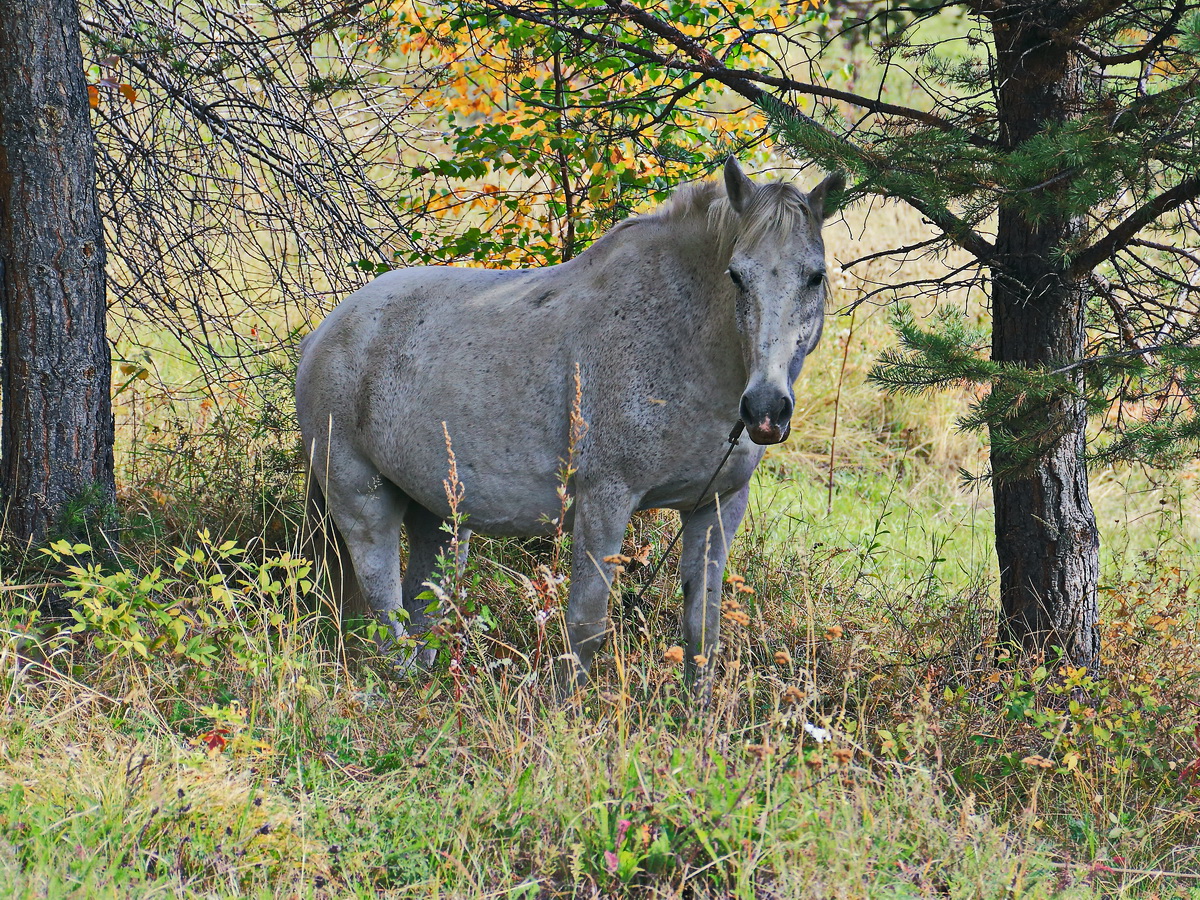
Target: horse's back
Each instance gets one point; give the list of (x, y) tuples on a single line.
[(479, 350)]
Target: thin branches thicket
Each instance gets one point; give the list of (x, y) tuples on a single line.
[(252, 174)]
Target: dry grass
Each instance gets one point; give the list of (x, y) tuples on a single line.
[(282, 770)]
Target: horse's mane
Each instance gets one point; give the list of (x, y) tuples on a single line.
[(773, 207)]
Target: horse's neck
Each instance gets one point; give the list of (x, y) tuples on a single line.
[(695, 252)]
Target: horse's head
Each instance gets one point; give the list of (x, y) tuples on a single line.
[(778, 271)]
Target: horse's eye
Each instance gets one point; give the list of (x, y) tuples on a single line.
[(736, 279), (815, 279)]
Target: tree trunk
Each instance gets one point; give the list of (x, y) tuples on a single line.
[(56, 437), (1046, 536)]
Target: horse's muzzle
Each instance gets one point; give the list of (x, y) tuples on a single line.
[(767, 414), (766, 433)]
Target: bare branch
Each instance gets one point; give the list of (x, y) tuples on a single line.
[(717, 69), (1122, 233), (1146, 51)]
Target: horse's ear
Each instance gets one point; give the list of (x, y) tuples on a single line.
[(818, 198), (738, 186)]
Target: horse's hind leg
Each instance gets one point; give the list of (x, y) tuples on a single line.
[(707, 536), (428, 540), (368, 511)]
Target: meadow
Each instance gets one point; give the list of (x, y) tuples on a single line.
[(202, 725)]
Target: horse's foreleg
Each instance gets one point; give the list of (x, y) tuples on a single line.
[(707, 537), (600, 520), (428, 541)]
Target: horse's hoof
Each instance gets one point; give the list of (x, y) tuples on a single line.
[(408, 659), (571, 680)]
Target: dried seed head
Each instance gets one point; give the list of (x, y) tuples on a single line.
[(737, 617), (793, 694)]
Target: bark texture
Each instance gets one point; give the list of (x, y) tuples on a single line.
[(1046, 535), (56, 437)]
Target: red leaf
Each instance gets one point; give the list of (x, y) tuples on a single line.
[(215, 741)]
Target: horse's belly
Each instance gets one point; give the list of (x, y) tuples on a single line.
[(499, 505), (508, 506)]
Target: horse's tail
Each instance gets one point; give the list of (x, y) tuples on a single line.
[(333, 569)]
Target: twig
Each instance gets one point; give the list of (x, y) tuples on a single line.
[(837, 402)]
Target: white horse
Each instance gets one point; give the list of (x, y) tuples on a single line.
[(680, 322)]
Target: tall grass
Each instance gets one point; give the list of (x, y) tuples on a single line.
[(205, 726)]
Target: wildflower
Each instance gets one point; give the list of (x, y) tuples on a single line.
[(843, 755), (700, 659), (782, 658), (833, 632), (760, 751), (818, 734), (674, 655), (1039, 762)]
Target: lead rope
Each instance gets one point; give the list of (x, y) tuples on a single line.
[(683, 520)]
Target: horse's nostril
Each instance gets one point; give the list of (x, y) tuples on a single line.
[(785, 410), (765, 404)]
